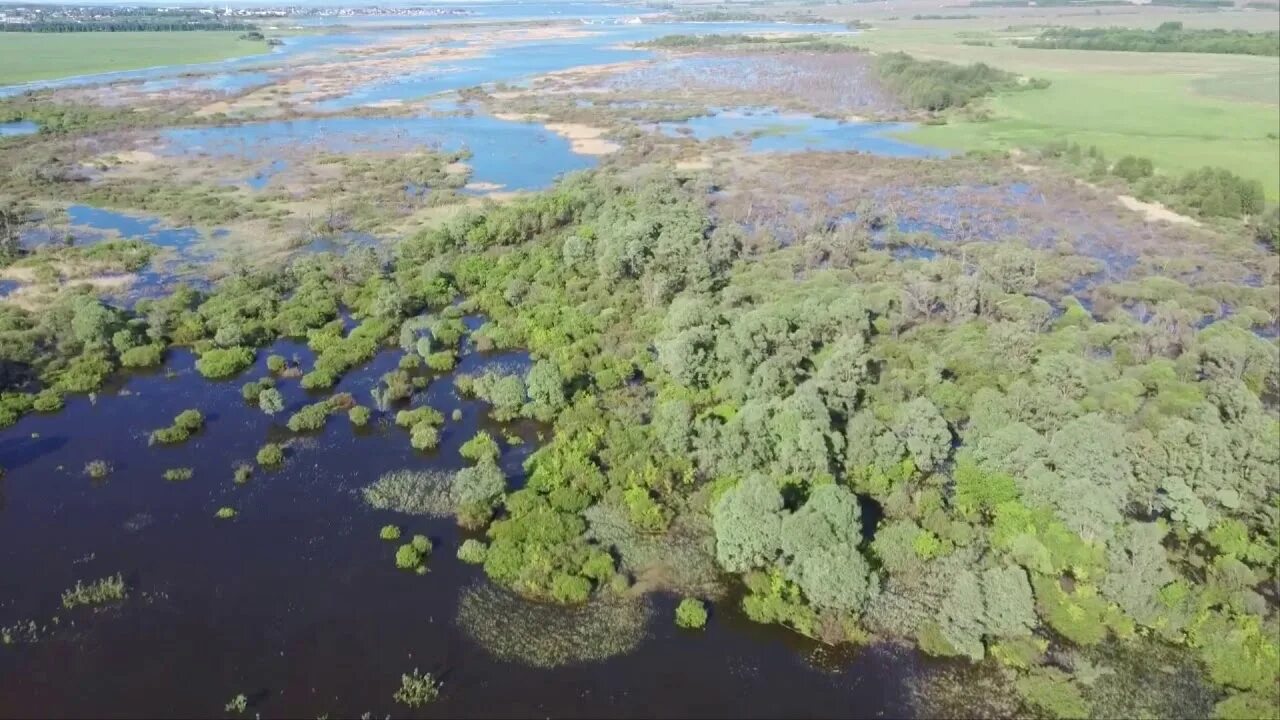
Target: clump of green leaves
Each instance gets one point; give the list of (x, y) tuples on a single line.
[(270, 455), (691, 613), (97, 469), (99, 592), (184, 425), (225, 513), (238, 704), (389, 532), (179, 474), (417, 689), (472, 551)]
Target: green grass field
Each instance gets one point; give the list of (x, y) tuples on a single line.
[(45, 56), (1181, 110)]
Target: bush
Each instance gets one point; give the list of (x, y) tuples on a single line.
[(408, 558), (218, 363), (97, 469), (47, 401), (242, 474), (472, 551), (99, 592), (178, 474), (691, 614), (270, 455), (184, 425), (481, 447), (389, 532), (417, 689), (1132, 168), (359, 415), (143, 356), (276, 363), (225, 513)]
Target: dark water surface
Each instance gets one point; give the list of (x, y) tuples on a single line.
[(296, 602)]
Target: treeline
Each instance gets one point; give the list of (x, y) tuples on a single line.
[(126, 26), (805, 43), (1169, 37), (1207, 192), (935, 85)]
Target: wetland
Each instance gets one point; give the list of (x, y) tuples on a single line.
[(589, 360)]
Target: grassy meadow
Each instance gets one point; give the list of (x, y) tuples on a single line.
[(1182, 110), (43, 56)]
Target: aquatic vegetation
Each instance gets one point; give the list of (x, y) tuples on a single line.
[(359, 415), (413, 492), (270, 455), (179, 474), (143, 356), (417, 689), (185, 424), (242, 474), (691, 613), (549, 636), (479, 448), (99, 592), (225, 513), (312, 417), (270, 401), (238, 704), (472, 551), (389, 532), (410, 557), (276, 363), (218, 363), (97, 469)]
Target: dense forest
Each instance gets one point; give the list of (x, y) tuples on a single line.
[(1169, 37), (936, 457)]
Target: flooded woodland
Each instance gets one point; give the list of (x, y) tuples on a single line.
[(579, 360)]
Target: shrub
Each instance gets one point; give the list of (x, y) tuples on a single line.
[(481, 447), (243, 473), (47, 401), (417, 689), (409, 558), (270, 455), (186, 423), (225, 513), (1132, 168), (97, 469), (238, 704), (143, 356), (276, 363), (691, 613), (389, 532), (422, 544), (359, 415), (224, 362), (472, 551), (178, 474), (99, 592), (424, 436), (270, 401)]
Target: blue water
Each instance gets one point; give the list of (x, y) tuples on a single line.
[(770, 131), (20, 127), (488, 12), (518, 156), (512, 63), (129, 226), (225, 82), (263, 176)]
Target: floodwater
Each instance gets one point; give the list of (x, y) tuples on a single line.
[(515, 155), (20, 127), (771, 131), (296, 602)]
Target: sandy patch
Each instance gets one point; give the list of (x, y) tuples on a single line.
[(521, 117), (1154, 211), (584, 139), (701, 163), (136, 157), (457, 168), (483, 186)]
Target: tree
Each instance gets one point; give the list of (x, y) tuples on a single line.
[(546, 388), (748, 524), (924, 432), (270, 401)]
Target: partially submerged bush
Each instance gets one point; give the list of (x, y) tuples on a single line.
[(218, 363), (184, 425), (99, 592), (691, 613), (179, 474), (417, 689), (270, 455)]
